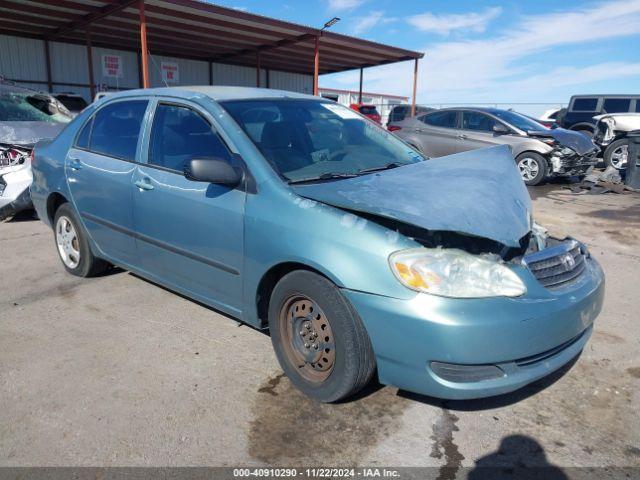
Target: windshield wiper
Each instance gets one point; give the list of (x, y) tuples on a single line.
[(388, 166), (324, 176)]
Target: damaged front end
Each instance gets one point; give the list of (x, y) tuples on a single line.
[(565, 161), (15, 179)]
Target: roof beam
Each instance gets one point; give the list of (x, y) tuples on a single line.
[(265, 47), (96, 14)]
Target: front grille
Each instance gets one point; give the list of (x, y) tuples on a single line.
[(557, 266)]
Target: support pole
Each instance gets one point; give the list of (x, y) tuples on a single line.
[(92, 84), (360, 89), (143, 46), (316, 65), (415, 87), (258, 69), (47, 57)]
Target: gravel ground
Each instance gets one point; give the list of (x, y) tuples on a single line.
[(116, 371)]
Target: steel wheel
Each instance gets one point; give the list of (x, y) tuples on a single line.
[(620, 156), (529, 168), (307, 338), (68, 243)]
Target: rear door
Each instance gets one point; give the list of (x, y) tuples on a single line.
[(437, 133), (189, 234), (99, 169)]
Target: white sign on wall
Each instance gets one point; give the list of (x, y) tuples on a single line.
[(170, 72), (111, 66)]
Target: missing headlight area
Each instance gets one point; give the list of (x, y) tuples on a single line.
[(447, 239), (15, 179)]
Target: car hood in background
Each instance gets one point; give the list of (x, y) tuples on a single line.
[(576, 141), (27, 134), (479, 193)]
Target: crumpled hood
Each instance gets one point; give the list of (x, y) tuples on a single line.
[(576, 141), (28, 134), (478, 193)]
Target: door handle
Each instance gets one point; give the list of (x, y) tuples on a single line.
[(74, 163), (461, 137), (144, 184)]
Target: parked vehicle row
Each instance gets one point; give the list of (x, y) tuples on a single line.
[(539, 152), (292, 212), (582, 110)]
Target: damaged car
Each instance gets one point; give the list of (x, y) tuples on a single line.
[(295, 214), (611, 135), (540, 152), (26, 117)]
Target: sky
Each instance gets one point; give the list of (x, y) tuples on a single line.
[(484, 52)]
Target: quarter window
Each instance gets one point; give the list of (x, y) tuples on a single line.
[(585, 104), (616, 105), (83, 138), (180, 134), (477, 121), (116, 129), (446, 119)]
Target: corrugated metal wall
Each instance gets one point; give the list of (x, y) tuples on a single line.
[(129, 61), (190, 72), (295, 82), (24, 59)]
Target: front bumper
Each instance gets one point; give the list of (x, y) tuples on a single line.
[(573, 164), (527, 337), (14, 190)]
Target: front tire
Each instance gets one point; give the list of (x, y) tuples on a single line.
[(533, 168), (318, 338), (72, 245), (616, 154)]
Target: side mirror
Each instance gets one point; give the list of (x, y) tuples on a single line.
[(500, 129), (212, 170)]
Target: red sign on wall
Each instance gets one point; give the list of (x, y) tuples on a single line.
[(111, 66), (170, 72)]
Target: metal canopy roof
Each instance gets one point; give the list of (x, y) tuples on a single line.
[(197, 30)]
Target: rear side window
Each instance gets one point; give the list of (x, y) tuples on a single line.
[(180, 134), (116, 129), (585, 104), (441, 119), (616, 105), (477, 121)]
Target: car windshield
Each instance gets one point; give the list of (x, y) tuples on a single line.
[(307, 139), (20, 107), (518, 120)]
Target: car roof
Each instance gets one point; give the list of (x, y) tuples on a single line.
[(613, 95), (217, 93)]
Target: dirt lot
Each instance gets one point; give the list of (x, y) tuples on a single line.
[(118, 371)]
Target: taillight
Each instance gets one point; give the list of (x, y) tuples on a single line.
[(393, 128)]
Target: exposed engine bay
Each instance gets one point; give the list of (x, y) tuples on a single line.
[(15, 179)]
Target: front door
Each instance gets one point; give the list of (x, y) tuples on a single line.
[(189, 234), (99, 170), (477, 131)]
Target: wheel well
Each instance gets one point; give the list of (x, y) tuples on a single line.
[(269, 281), (53, 203)]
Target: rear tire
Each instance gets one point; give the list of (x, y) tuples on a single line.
[(72, 245), (318, 338), (616, 154), (532, 167)]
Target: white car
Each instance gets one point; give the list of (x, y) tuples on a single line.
[(26, 117), (611, 135)]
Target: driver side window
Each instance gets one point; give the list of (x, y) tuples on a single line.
[(477, 121), (180, 134)]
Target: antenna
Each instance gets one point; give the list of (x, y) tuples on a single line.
[(159, 71)]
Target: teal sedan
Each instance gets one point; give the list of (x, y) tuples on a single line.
[(296, 214)]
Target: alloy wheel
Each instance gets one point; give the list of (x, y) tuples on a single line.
[(529, 168), (619, 157), (68, 243), (307, 338)]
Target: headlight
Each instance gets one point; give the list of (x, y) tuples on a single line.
[(455, 273), (566, 151)]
